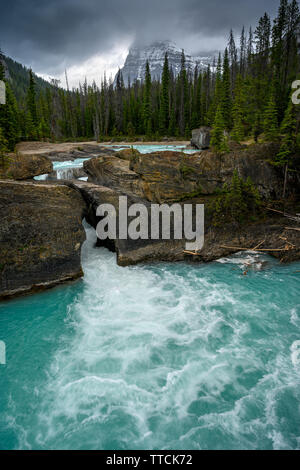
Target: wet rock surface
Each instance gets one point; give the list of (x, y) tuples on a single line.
[(41, 231), (273, 232), (23, 167), (114, 173), (41, 234), (201, 138)]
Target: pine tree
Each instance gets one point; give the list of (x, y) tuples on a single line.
[(243, 53), (257, 126), (226, 93), (262, 35), (233, 58), (291, 56), (9, 118), (218, 139), (174, 105), (288, 131), (238, 131), (278, 39), (183, 98), (218, 94), (250, 50), (236, 201), (147, 101), (3, 150), (2, 71), (164, 98), (118, 109), (43, 130), (31, 100), (270, 122), (172, 123)]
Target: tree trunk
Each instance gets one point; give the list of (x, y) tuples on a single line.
[(284, 185)]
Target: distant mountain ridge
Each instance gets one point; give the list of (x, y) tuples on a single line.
[(18, 76), (134, 67)]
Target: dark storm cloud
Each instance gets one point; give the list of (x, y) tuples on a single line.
[(50, 35)]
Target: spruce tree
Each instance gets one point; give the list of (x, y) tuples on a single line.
[(238, 128), (270, 122), (184, 123), (278, 45), (288, 132), (243, 53), (233, 56), (2, 71), (164, 98), (218, 138), (9, 118), (250, 50), (238, 131), (226, 93), (147, 101), (218, 92), (257, 126), (31, 99), (3, 150)]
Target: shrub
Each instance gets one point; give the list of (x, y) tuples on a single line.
[(237, 202)]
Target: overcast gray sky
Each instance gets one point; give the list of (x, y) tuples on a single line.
[(90, 36)]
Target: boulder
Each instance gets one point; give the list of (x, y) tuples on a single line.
[(172, 176), (130, 252), (252, 161), (40, 236), (113, 173), (23, 167), (127, 154), (201, 138), (169, 176), (60, 156)]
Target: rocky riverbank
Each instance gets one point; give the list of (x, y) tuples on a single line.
[(41, 235), (41, 232)]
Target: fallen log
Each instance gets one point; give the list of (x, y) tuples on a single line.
[(289, 216), (194, 253), (292, 228), (252, 249), (257, 246), (287, 242)]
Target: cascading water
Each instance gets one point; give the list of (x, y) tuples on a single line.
[(179, 356), (65, 170)]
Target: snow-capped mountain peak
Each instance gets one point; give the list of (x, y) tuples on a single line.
[(134, 67)]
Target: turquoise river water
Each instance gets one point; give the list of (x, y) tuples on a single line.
[(162, 356), (178, 356)]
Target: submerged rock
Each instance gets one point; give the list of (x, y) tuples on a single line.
[(40, 236)]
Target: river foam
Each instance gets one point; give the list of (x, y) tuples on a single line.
[(178, 356)]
